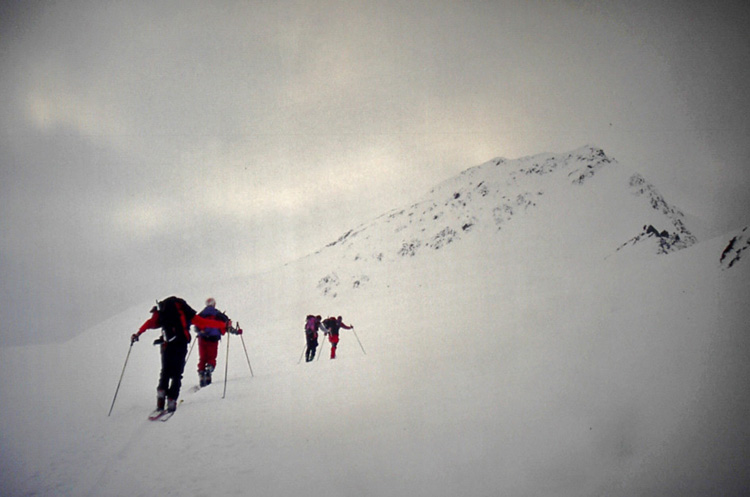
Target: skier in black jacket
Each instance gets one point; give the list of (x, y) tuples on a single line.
[(174, 316)]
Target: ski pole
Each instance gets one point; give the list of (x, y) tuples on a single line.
[(246, 356), (121, 375), (191, 349), (226, 370), (360, 343), (322, 346), (303, 353)]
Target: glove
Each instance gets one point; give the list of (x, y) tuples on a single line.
[(159, 341), (134, 338), (238, 331)]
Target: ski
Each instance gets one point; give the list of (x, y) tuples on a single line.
[(156, 414), (167, 414)]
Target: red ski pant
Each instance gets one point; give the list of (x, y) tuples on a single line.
[(334, 339), (207, 352)]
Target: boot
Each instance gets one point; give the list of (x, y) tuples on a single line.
[(171, 405), (202, 376), (161, 396), (209, 369)]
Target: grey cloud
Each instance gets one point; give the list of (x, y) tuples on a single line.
[(135, 136)]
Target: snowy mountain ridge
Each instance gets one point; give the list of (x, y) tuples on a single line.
[(494, 198)]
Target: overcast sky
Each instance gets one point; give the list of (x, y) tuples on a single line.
[(149, 144)]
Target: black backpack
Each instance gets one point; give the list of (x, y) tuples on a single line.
[(175, 316), (332, 325)]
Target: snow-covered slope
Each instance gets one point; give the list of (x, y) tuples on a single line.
[(578, 205), (524, 333)]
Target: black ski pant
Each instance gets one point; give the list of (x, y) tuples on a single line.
[(312, 344), (172, 366)]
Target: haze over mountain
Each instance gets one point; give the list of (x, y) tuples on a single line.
[(549, 325)]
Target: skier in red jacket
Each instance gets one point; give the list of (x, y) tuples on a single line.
[(331, 328), (174, 316), (208, 342)]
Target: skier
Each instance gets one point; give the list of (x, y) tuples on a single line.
[(312, 325), (208, 342), (332, 326), (174, 316)]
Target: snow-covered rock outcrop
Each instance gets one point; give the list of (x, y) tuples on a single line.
[(735, 249)]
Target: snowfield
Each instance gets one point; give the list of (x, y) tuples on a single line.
[(524, 334)]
